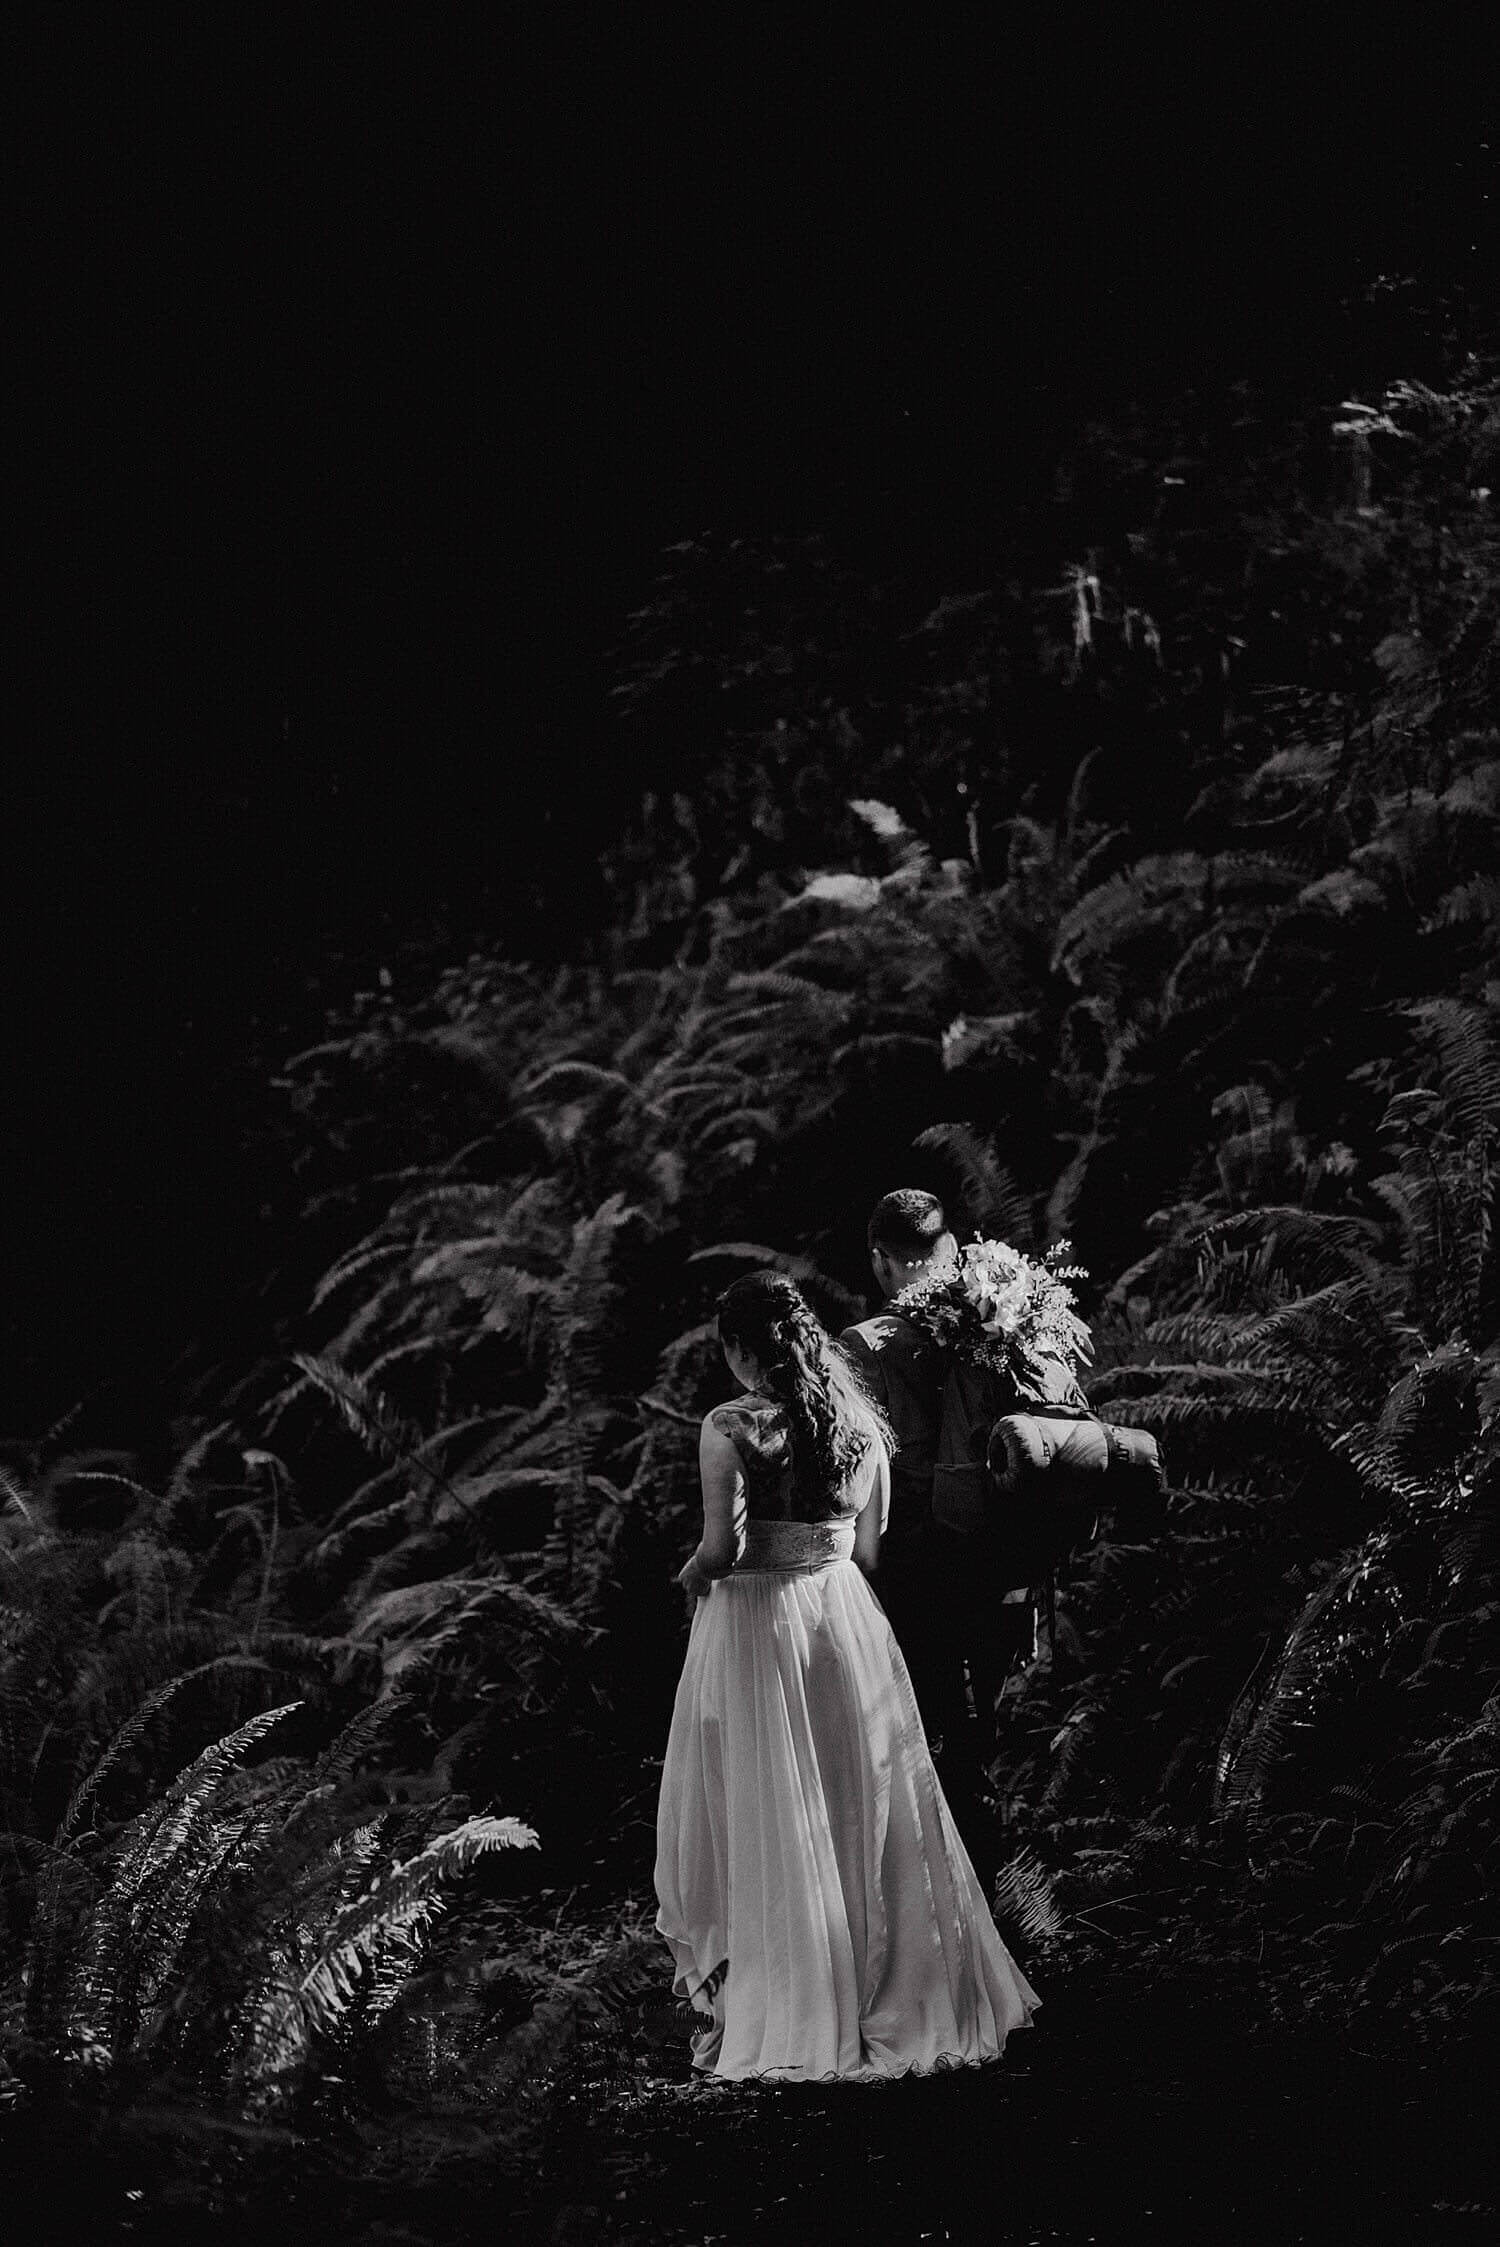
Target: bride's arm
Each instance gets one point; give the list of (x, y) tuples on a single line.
[(723, 1481), (870, 1526)]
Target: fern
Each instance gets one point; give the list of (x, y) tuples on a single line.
[(397, 1909), (135, 1726), (168, 1855), (1468, 1062), (366, 1413), (992, 1201), (1158, 896), (839, 1304), (1024, 1900)]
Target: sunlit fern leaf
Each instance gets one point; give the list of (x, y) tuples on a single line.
[(1067, 1190), (344, 1755), (383, 1318), (364, 1411), (394, 1959), (395, 1616), (614, 1984), (1431, 1413), (180, 1822), (1345, 1323), (536, 1439), (189, 1464), (300, 1871), (111, 1680), (136, 1724), (422, 1466), (84, 1478), (419, 1556), (402, 1902), (821, 1289), (1268, 1421), (1318, 1246), (740, 1122), (1463, 1549), (1201, 1336), (1380, 1467), (1411, 1203), (404, 1354), (165, 1909), (188, 1795), (426, 1207), (992, 1202), (568, 1079), (671, 1085), (584, 1299), (1468, 1057), (367, 1256), (1023, 1899), (1070, 1749), (370, 1501), (1474, 903), (480, 1267), (585, 1289), (1442, 1199), (1157, 895), (1259, 1737)]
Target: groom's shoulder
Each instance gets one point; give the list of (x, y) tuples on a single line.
[(886, 1334)]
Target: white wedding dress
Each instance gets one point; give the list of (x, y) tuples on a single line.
[(822, 1911)]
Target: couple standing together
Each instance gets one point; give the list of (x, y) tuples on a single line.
[(823, 1913)]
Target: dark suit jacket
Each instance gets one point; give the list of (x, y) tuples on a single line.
[(904, 1373)]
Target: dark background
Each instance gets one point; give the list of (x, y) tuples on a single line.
[(366, 384)]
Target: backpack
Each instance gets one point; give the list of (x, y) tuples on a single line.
[(1028, 1478)]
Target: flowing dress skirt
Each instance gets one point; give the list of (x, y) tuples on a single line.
[(821, 1909)]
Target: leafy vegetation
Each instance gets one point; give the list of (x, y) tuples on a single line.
[(1145, 895)]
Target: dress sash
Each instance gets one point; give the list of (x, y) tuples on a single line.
[(793, 1548)]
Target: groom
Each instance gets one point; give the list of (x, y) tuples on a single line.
[(921, 1571)]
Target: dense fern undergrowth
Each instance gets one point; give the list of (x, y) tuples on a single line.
[(1145, 896)]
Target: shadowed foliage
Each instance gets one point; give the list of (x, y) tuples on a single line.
[(1143, 896)]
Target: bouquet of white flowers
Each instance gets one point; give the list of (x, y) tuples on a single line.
[(1006, 1313)]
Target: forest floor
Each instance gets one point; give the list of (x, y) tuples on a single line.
[(1200, 2099)]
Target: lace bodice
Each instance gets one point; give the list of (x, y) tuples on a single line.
[(757, 1427)]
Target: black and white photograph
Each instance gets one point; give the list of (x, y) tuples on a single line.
[(749, 1129)]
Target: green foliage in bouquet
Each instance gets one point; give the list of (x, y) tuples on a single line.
[(999, 1309)]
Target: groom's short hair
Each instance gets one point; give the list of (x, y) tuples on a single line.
[(908, 1223)]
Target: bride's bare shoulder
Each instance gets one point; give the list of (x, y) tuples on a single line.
[(750, 1423)]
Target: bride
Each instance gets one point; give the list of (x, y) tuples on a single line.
[(822, 1912)]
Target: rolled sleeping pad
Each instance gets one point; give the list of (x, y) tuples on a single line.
[(1023, 1443), (1051, 1476)]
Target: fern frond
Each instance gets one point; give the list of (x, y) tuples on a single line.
[(1468, 904), (1163, 894), (135, 1725), (180, 1824), (803, 1269), (400, 1904), (396, 1614), (992, 1201), (367, 1414), (1024, 1900), (1468, 1059), (365, 1257), (569, 1079), (584, 1286), (1379, 1466)]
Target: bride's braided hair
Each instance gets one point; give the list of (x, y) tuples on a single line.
[(832, 1416)]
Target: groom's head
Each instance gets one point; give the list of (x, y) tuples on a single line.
[(909, 1237)]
